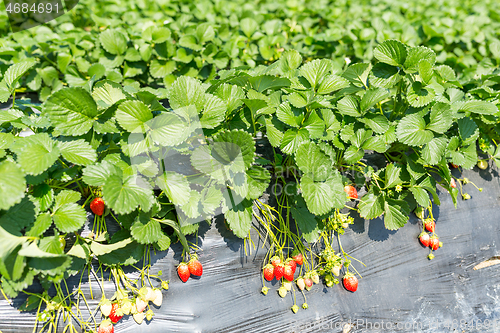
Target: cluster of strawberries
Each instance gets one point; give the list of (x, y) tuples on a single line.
[(114, 311), (428, 240), (193, 267)]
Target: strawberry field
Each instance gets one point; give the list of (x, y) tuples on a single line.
[(320, 166)]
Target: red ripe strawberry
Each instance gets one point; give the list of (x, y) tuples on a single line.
[(106, 327), (292, 264), (453, 183), (351, 191), (275, 261), (288, 274), (97, 206), (430, 226), (298, 258), (454, 165), (183, 271), (116, 313), (434, 243), (279, 271), (195, 267), (350, 282), (269, 272), (424, 239)]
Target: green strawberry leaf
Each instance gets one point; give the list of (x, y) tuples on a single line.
[(39, 153), (19, 216), (332, 83), (292, 139), (322, 197), (16, 71), (11, 182), (258, 181), (391, 52), (306, 221), (440, 118), (415, 55), (419, 95), (123, 195), (394, 214), (420, 196), (371, 206), (315, 71), (239, 142), (133, 116), (97, 174), (412, 131), (108, 94), (99, 249), (77, 152), (113, 41), (176, 187), (372, 97), (480, 107), (146, 230), (71, 111), (42, 223), (434, 150), (69, 217), (239, 218), (311, 160)]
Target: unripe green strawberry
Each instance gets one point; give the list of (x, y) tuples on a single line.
[(150, 295), (287, 285), (419, 212), (158, 297), (295, 308), (336, 269), (106, 308), (164, 285), (305, 306), (264, 290), (149, 315), (315, 277), (482, 164), (282, 291), (139, 317), (329, 281), (126, 306)]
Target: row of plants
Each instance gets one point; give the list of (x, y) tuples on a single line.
[(157, 163), (151, 44)]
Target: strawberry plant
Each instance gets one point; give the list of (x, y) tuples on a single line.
[(155, 162)]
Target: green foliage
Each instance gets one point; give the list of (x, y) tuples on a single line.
[(321, 118)]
